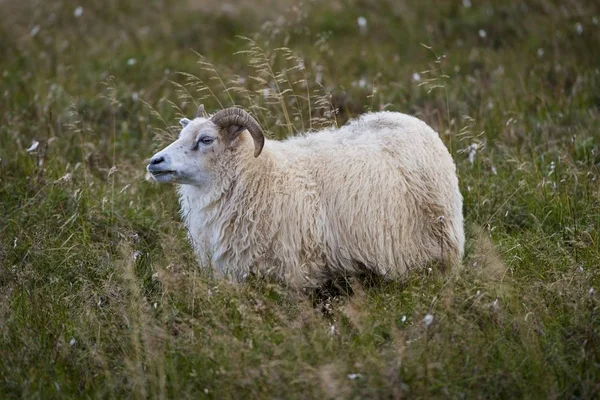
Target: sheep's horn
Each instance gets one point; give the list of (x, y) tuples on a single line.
[(236, 116), (201, 112)]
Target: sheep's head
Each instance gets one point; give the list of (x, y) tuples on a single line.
[(192, 157)]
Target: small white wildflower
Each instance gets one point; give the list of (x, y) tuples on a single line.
[(478, 293), (494, 170), (416, 77), (467, 3), (403, 319), (482, 34), (136, 254), (362, 83), (354, 376), (540, 52), (579, 268), (34, 31), (319, 74), (591, 291), (205, 390), (131, 61), (319, 77), (362, 24), (155, 276), (579, 28), (155, 305), (135, 96), (472, 152), (332, 330), (34, 145), (78, 12), (65, 178), (241, 80), (427, 320), (72, 342)]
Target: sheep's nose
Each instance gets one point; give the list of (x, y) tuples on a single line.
[(157, 160)]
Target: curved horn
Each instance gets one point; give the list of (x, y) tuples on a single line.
[(201, 112), (236, 116)]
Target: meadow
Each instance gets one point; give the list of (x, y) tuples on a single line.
[(100, 296)]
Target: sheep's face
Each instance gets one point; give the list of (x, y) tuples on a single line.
[(192, 157)]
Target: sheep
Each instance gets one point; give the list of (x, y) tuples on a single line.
[(378, 195)]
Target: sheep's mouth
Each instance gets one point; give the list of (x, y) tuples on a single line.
[(163, 176), (161, 173)]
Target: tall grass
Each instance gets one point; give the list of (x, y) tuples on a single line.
[(99, 291)]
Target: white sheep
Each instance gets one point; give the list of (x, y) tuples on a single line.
[(378, 195)]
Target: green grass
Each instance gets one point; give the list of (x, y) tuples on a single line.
[(99, 293)]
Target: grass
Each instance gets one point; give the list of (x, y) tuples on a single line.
[(99, 294)]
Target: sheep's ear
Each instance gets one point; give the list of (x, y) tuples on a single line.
[(201, 113), (184, 122)]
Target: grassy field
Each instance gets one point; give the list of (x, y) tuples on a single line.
[(99, 293)]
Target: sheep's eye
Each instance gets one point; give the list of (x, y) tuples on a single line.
[(207, 140), (204, 140)]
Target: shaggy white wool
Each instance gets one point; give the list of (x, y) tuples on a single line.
[(380, 194)]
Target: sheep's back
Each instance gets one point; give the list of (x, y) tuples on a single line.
[(389, 194)]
